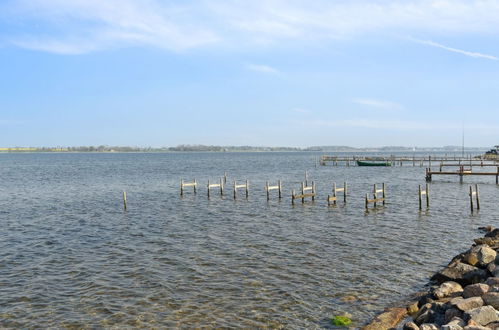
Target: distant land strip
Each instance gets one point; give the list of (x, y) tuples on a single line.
[(206, 148)]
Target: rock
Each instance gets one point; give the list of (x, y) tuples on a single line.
[(493, 233), (455, 324), (386, 320), (492, 299), (446, 289), (480, 255), (475, 290), (412, 308), (486, 229), (410, 326), (469, 303), (428, 326), (493, 242), (460, 272), (451, 314), (475, 327), (493, 325), (492, 281), (483, 315), (491, 267)]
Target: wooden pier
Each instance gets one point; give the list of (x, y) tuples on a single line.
[(461, 172), (407, 160)]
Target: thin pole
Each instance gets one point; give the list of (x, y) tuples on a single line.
[(427, 196), (247, 188), (375, 195), (477, 197), (345, 192), (384, 195), (235, 189), (471, 198), (280, 188), (208, 188), (419, 194), (124, 200), (267, 189), (181, 187)]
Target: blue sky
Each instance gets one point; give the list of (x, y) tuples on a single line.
[(273, 73)]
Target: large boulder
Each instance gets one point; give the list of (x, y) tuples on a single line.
[(428, 326), (469, 303), (447, 289), (480, 255), (492, 299), (460, 272), (483, 315), (475, 290), (388, 319), (493, 242)]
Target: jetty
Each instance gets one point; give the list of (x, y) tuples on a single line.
[(461, 172), (468, 160)]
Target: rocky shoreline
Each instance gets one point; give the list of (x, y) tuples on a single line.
[(463, 295)]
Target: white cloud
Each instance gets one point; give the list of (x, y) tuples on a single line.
[(261, 68), (380, 104), (455, 50), (79, 26)]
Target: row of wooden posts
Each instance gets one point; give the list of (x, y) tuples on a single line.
[(310, 191)]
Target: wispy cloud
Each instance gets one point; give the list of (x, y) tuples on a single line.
[(380, 104), (456, 50), (261, 68), (63, 26)]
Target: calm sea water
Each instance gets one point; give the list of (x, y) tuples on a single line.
[(71, 257)]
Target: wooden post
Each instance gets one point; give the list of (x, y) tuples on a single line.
[(225, 177), (181, 187), (247, 188), (367, 202), (302, 192), (124, 200), (306, 178), (280, 188), (461, 171), (429, 161), (195, 186), (293, 197), (427, 196), (334, 193), (345, 192), (267, 189), (471, 198), (208, 188), (375, 195), (313, 191), (497, 175), (477, 197), (235, 189), (419, 194), (221, 187), (384, 195)]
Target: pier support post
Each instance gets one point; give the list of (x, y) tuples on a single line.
[(124, 200)]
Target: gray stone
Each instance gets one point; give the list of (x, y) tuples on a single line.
[(428, 326), (460, 272), (491, 267), (451, 314), (483, 315), (493, 242), (447, 289), (469, 303), (480, 255), (475, 290), (492, 281), (455, 324), (410, 326), (492, 299), (475, 327)]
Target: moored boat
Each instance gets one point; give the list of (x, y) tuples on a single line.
[(492, 153)]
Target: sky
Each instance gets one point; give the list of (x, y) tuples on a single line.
[(262, 73)]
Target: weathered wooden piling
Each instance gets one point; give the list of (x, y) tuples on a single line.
[(277, 187), (334, 197), (477, 197), (304, 193), (376, 199), (245, 186), (425, 192), (216, 185), (124, 201), (187, 184)]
